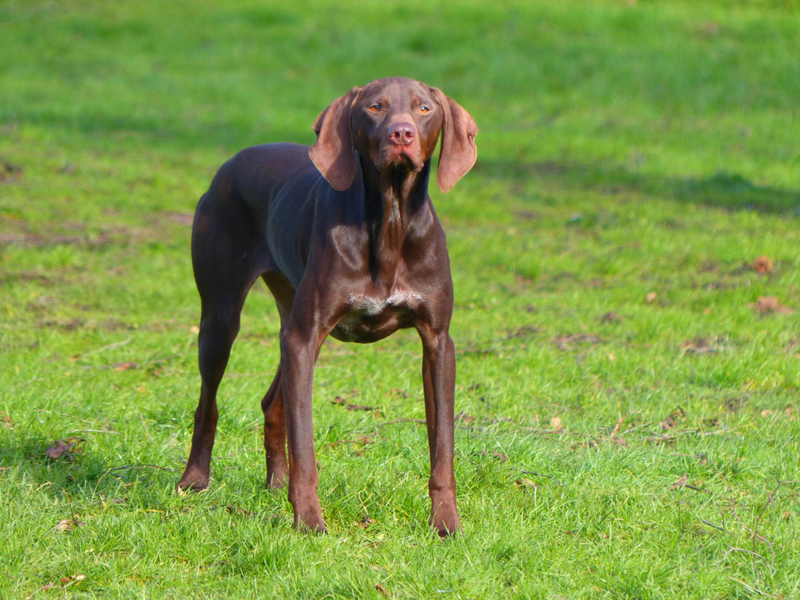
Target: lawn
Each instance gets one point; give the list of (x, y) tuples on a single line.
[(626, 259)]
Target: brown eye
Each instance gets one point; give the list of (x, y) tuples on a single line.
[(375, 108), (424, 109)]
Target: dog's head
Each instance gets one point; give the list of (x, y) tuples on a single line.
[(395, 124)]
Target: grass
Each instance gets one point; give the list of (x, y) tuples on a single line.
[(610, 446)]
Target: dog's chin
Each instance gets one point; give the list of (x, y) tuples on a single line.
[(399, 159)]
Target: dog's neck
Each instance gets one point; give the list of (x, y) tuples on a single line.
[(395, 206)]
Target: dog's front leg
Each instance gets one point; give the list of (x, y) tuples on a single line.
[(439, 380), (300, 344)]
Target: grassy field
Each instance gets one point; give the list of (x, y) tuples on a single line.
[(628, 410)]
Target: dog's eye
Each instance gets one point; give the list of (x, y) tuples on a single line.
[(375, 107), (424, 109)]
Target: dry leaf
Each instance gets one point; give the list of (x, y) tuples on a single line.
[(699, 345), (63, 447), (652, 297), (564, 341), (555, 423), (767, 413), (609, 317), (672, 420), (680, 483), (769, 304), (618, 426), (7, 422), (464, 418), (126, 366), (526, 483), (67, 524), (381, 589), (366, 521), (620, 441), (762, 265), (194, 329)]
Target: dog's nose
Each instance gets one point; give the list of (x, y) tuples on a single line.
[(402, 133)]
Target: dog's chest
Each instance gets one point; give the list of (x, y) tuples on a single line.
[(371, 317)]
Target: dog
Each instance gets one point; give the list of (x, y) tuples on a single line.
[(346, 239)]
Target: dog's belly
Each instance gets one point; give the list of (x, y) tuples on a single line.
[(373, 318)]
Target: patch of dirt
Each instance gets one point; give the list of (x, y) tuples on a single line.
[(564, 342), (769, 304), (700, 345)]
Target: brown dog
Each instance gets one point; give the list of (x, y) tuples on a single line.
[(347, 240)]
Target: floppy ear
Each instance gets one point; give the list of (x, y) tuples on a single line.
[(457, 151), (333, 153)]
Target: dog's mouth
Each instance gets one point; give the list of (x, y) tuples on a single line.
[(401, 156)]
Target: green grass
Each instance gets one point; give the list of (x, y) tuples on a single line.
[(626, 148)]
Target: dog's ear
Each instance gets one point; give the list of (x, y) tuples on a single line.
[(457, 151), (333, 153)]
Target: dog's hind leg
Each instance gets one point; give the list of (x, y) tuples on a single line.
[(225, 266), (272, 404)]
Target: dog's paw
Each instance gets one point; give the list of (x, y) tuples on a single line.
[(445, 519), (310, 521), (193, 480)]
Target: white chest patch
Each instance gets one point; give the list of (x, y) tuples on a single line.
[(373, 305)]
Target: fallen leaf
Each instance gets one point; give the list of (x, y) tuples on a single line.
[(7, 422), (381, 589), (67, 524), (652, 297), (618, 426), (769, 304), (564, 341), (555, 423), (500, 455), (680, 483), (699, 345), (611, 356), (126, 366), (63, 447), (767, 413), (672, 420), (609, 317), (526, 483), (464, 418), (661, 439), (762, 265), (194, 329), (620, 441), (366, 521)]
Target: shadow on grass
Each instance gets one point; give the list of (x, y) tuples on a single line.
[(80, 472), (722, 190)]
